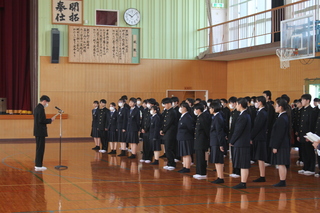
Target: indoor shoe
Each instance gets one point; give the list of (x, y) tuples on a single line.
[(260, 179)]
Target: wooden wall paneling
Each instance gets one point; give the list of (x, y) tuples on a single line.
[(162, 78)]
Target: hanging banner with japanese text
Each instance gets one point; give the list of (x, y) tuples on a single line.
[(67, 12), (116, 45)]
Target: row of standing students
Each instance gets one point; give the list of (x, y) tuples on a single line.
[(187, 130)]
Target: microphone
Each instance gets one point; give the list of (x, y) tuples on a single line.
[(58, 109)]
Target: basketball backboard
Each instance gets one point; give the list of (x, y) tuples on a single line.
[(299, 34)]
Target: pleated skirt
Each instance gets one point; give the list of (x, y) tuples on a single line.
[(241, 157), (94, 132), (156, 145), (260, 150), (113, 136), (185, 147), (216, 156), (282, 157), (132, 137), (121, 136)]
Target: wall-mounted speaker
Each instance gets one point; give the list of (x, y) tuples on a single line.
[(55, 45), (3, 105)]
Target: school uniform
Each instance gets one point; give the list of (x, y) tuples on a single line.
[(122, 120), (178, 115), (232, 122), (307, 124), (133, 125), (201, 142), (271, 119), (217, 138), (296, 128), (280, 140), (226, 113), (317, 131), (154, 132), (241, 141), (112, 128), (259, 135), (169, 129), (185, 135), (147, 144), (40, 132), (103, 124), (94, 125)]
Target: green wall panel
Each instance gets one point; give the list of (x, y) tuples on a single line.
[(168, 27)]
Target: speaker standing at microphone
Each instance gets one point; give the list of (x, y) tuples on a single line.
[(40, 131)]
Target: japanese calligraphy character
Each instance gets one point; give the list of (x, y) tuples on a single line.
[(74, 17), (60, 17), (60, 6), (74, 7)]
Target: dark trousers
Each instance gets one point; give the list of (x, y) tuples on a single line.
[(308, 156), (40, 145), (269, 150), (169, 145), (104, 139), (235, 170), (147, 147), (201, 167)]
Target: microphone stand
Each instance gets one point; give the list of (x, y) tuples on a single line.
[(60, 167)]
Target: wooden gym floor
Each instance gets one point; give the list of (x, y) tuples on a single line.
[(97, 182)]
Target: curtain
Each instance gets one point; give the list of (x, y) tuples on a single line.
[(14, 54)]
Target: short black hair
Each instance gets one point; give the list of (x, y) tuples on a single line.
[(103, 101), (243, 102), (155, 108), (113, 104), (216, 106), (286, 97), (198, 99), (248, 98), (204, 103), (254, 98), (166, 101), (232, 99), (316, 99), (45, 98), (190, 100), (145, 101), (139, 99), (209, 100), (268, 93), (306, 97), (175, 99), (134, 100), (199, 106), (152, 101), (185, 105), (224, 100), (124, 97), (96, 102), (262, 99)]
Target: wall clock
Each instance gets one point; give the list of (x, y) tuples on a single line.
[(132, 16)]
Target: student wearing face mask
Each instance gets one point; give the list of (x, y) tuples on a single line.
[(154, 133), (201, 140), (112, 129), (122, 120), (185, 137), (145, 127), (94, 129), (104, 119), (175, 106), (234, 114), (133, 127), (40, 131), (259, 137), (217, 140)]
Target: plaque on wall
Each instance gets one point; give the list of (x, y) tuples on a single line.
[(67, 12), (115, 45)]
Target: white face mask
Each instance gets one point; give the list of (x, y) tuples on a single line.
[(138, 102), (180, 110), (319, 106), (111, 109), (120, 104), (46, 105), (173, 104), (163, 105), (256, 105), (208, 104), (152, 112), (230, 106), (148, 106), (195, 113)]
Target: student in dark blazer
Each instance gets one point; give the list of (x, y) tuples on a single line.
[(240, 140), (307, 124), (133, 127), (168, 132), (201, 140), (296, 126), (217, 140), (259, 137), (40, 131), (280, 141), (154, 133), (175, 106), (122, 121), (112, 129), (234, 114), (185, 137), (104, 119), (94, 126)]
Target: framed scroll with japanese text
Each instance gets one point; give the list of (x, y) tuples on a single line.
[(114, 45), (67, 12)]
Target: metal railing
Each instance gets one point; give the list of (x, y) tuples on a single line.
[(256, 29)]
